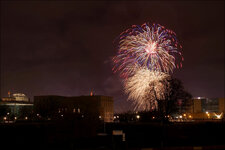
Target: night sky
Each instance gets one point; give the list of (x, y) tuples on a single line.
[(65, 48)]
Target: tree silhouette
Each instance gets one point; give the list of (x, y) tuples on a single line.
[(173, 92), (25, 111), (4, 109), (177, 92)]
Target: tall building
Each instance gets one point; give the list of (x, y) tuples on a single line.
[(100, 107), (222, 105), (205, 108)]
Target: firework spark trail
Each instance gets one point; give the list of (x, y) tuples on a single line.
[(145, 87), (147, 55), (150, 46)]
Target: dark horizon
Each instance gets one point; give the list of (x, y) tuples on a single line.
[(65, 48)]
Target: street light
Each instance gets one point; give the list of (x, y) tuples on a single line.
[(207, 113), (8, 116), (138, 117)]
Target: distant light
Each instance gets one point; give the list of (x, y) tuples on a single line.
[(7, 113), (37, 114), (26, 118), (208, 114), (114, 117), (15, 118), (117, 116), (153, 117), (184, 115), (61, 115), (219, 116), (5, 118), (138, 117), (190, 116), (199, 97), (180, 116), (99, 117)]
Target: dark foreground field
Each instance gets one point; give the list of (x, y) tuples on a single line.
[(72, 135)]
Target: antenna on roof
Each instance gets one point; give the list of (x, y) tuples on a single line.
[(91, 93), (9, 93)]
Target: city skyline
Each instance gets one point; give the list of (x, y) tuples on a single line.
[(65, 48)]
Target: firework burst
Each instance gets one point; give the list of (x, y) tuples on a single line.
[(146, 87), (149, 46)]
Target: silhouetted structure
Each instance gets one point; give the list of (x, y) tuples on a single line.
[(94, 107)]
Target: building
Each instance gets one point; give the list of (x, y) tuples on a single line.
[(20, 97), (16, 97), (205, 108), (15, 106), (100, 107)]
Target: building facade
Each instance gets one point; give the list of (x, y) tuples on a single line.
[(100, 107), (16, 106), (205, 108)]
